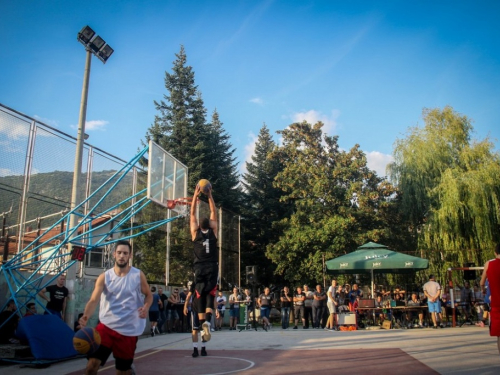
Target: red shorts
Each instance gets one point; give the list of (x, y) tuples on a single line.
[(494, 321), (123, 347)]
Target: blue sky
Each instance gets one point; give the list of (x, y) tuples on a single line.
[(365, 68)]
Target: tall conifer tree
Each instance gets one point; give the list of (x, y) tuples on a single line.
[(262, 206)]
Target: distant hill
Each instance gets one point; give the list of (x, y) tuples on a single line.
[(50, 193)]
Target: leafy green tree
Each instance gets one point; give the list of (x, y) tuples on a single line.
[(262, 207), (450, 189), (339, 203)]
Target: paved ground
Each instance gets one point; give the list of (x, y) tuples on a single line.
[(466, 350)]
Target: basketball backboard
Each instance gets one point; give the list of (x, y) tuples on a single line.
[(167, 177)]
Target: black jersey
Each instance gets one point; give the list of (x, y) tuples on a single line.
[(205, 247)]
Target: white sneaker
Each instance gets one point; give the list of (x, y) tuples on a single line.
[(205, 333)]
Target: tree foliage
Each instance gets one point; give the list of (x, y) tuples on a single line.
[(450, 188), (338, 202), (262, 207), (181, 128)]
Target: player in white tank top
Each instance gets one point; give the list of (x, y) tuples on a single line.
[(119, 292), (125, 298)]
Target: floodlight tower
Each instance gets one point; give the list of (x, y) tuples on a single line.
[(93, 44)]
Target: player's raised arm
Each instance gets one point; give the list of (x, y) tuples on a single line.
[(194, 221), (213, 212)]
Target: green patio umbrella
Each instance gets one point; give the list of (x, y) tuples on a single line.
[(375, 258)]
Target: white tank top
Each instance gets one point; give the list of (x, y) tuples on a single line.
[(120, 302)]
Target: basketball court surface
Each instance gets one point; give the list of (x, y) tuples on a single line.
[(466, 350)]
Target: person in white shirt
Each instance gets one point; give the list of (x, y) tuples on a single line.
[(234, 309), (332, 304), (122, 313), (221, 308)]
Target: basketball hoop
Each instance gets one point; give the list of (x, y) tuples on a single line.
[(179, 204)]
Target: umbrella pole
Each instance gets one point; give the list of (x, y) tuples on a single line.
[(372, 283)]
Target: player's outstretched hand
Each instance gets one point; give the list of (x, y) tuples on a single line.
[(83, 321), (142, 312), (197, 191)]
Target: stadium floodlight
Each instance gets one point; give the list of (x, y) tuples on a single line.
[(104, 53), (85, 35), (94, 45)]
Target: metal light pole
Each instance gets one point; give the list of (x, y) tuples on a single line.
[(80, 139), (94, 44)]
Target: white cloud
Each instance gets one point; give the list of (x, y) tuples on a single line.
[(93, 125), (378, 162), (7, 172), (47, 121), (258, 101), (249, 152), (312, 117), (96, 124), (15, 131)]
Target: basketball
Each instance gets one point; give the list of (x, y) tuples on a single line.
[(86, 340), (204, 185)]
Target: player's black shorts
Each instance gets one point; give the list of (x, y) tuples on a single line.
[(205, 277)]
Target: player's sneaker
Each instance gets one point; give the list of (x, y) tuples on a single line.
[(195, 352), (205, 332), (203, 352)]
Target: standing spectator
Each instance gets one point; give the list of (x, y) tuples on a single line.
[(286, 304), (446, 304), (466, 301), (354, 293), (30, 309), (221, 308), (192, 315), (206, 258), (265, 302), (172, 314), (308, 315), (432, 291), (8, 324), (154, 311), (318, 306), (182, 318), (234, 309), (125, 299), (332, 304), (491, 274), (58, 297), (298, 307), (163, 308)]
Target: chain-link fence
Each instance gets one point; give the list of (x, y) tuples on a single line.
[(36, 175)]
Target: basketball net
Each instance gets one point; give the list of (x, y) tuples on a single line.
[(181, 204)]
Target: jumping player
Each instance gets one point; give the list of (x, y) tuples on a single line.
[(206, 257), (122, 312)]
